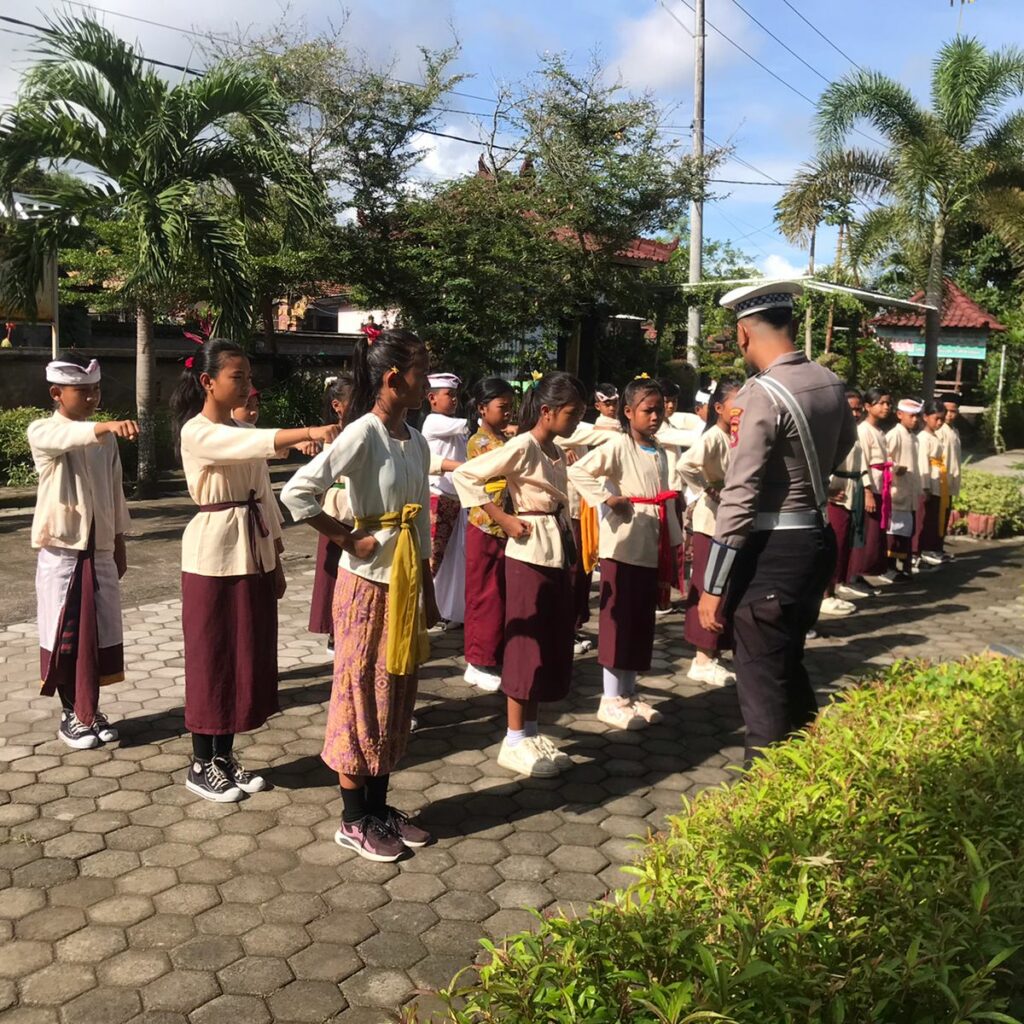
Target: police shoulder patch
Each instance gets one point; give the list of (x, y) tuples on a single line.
[(734, 427)]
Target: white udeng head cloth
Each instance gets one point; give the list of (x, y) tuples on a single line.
[(444, 380), (71, 374), (602, 397), (756, 298), (909, 405), (701, 398)]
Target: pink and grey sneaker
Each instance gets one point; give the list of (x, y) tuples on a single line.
[(412, 835), (371, 839), (645, 711)]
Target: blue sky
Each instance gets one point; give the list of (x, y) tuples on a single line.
[(767, 123)]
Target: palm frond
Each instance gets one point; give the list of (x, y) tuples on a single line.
[(872, 96)]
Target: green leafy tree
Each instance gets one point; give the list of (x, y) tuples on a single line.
[(185, 167), (958, 160)]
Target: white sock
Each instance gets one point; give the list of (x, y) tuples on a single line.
[(531, 728), (513, 737), (618, 682)]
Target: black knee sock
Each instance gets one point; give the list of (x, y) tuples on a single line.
[(377, 795), (202, 746), (222, 745), (355, 804)]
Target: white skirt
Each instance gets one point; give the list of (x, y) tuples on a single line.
[(55, 569), (901, 523), (450, 581)]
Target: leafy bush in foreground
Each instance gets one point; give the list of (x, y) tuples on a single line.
[(990, 495), (868, 872)]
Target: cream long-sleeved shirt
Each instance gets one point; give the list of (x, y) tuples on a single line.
[(226, 463), (702, 469), (876, 452), (623, 467), (382, 474), (446, 437), (80, 485), (906, 487), (687, 421), (536, 483), (950, 438), (853, 463), (929, 447), (582, 439)]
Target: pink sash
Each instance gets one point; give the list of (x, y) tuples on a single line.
[(886, 468)]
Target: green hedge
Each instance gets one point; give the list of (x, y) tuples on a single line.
[(991, 495), (870, 871)]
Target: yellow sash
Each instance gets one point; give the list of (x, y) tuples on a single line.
[(943, 493), (589, 536), (408, 645)]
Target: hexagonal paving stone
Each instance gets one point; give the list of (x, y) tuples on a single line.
[(207, 952), (508, 922), (181, 991), (50, 924), (578, 858), (276, 940), (81, 892), (391, 949), (522, 867), (346, 929), (162, 931), (229, 919), (325, 961), (186, 899), (91, 945), (18, 958), (398, 916), (306, 1001), (378, 987), (464, 906), (473, 877), (146, 881), (102, 1006), (294, 908), (17, 902), (133, 968), (255, 975), (521, 895), (121, 911), (249, 889), (451, 937), (357, 896), (415, 888), (169, 855), (56, 985), (45, 872), (236, 1009)]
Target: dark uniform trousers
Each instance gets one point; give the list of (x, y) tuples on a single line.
[(775, 593)]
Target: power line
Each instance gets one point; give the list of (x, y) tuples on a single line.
[(675, 18), (785, 46), (812, 26)]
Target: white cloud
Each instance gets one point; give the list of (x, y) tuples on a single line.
[(775, 266), (656, 53), (447, 158)]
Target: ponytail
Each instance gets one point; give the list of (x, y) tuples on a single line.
[(554, 390), (336, 389), (371, 361), (726, 386)]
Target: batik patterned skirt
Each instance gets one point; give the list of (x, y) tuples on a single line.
[(370, 714)]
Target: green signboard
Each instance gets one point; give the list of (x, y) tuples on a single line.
[(952, 344)]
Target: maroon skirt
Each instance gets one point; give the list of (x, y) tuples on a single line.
[(581, 582), (229, 625), (539, 618), (693, 632), (629, 595), (485, 598), (325, 576), (929, 538), (841, 521), (870, 559)]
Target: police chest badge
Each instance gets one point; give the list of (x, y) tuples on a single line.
[(734, 427)]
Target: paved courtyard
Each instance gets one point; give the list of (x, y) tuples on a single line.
[(125, 898)]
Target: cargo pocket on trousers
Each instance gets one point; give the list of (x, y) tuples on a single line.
[(761, 628)]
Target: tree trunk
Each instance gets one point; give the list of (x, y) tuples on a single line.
[(933, 295), (830, 328), (808, 312), (145, 374)]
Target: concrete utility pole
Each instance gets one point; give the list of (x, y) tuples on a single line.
[(693, 325)]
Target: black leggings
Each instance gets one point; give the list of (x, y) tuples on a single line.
[(206, 748)]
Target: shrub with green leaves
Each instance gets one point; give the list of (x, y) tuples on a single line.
[(990, 495), (868, 871)]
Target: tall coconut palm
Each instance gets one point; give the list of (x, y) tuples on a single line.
[(824, 191), (186, 165), (949, 159)]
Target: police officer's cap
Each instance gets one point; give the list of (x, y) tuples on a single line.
[(756, 298)]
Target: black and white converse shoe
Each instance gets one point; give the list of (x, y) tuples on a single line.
[(208, 780), (247, 782), (103, 729), (74, 733)]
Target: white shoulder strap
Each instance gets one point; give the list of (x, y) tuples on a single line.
[(803, 429)]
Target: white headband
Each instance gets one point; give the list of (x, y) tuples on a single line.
[(909, 405), (71, 374), (444, 380), (701, 398), (606, 398)]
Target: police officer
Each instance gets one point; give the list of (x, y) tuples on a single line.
[(773, 551)]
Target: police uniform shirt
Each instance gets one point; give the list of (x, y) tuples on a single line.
[(768, 470)]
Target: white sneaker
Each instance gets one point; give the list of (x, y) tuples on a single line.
[(484, 679), (414, 724), (619, 714), (713, 672), (887, 578), (581, 644), (661, 612), (105, 732), (852, 591), (526, 758), (648, 713), (836, 606), (931, 558), (559, 758)]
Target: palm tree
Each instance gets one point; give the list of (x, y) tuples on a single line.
[(949, 160), (187, 166), (824, 191)]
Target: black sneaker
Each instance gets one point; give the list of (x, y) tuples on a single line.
[(74, 733), (105, 732), (208, 780), (247, 782)]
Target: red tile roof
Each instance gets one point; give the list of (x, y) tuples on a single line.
[(958, 311)]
